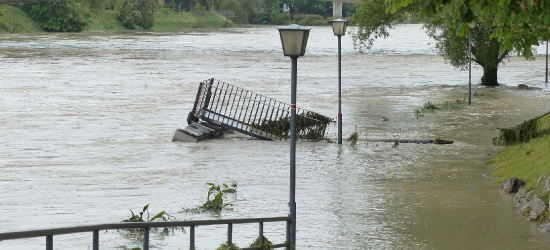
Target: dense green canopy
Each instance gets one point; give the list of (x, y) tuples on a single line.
[(518, 25)]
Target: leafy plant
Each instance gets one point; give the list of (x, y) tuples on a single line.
[(216, 203), (521, 133), (429, 106), (224, 246), (395, 143), (139, 217), (265, 245), (137, 234), (59, 15), (309, 126), (137, 13), (353, 138)]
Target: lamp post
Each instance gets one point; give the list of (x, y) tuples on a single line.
[(339, 28), (470, 65), (294, 40)]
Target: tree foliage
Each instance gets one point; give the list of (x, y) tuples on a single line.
[(518, 24), (374, 22), (59, 15), (137, 13), (485, 49)]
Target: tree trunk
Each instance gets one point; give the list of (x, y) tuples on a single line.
[(489, 77)]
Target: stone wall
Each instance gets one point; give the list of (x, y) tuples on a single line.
[(532, 204)]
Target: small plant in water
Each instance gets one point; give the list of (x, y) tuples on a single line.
[(137, 234), (395, 143), (265, 245), (353, 138), (217, 204), (139, 217), (385, 119), (224, 246)]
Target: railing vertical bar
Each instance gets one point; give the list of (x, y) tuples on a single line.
[(223, 101), (242, 107), (146, 239), (192, 238), (254, 105), (228, 100), (49, 242), (261, 236), (217, 96), (248, 107), (240, 110), (288, 231), (233, 110), (95, 241), (229, 234)]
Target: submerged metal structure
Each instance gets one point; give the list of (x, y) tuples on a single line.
[(227, 107)]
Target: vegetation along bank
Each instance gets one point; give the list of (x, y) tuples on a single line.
[(155, 15), (523, 167)]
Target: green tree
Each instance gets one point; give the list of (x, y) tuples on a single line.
[(137, 13), (486, 51), (374, 22), (518, 24), (237, 8), (59, 15)]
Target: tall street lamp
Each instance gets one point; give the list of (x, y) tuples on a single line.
[(339, 28), (294, 39)]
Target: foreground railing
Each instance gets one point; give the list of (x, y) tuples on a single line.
[(49, 233)]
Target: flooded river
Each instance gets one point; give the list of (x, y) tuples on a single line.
[(87, 120)]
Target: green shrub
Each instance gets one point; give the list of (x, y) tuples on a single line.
[(265, 245), (137, 13), (59, 15)]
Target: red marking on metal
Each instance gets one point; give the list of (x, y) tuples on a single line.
[(293, 106), (339, 116)]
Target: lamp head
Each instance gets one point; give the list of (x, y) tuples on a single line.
[(294, 40), (339, 26)]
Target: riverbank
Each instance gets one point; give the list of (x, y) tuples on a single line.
[(14, 20), (524, 171)]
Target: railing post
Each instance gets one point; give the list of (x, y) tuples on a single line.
[(49, 242), (288, 222), (95, 243), (146, 239), (229, 234), (192, 238), (261, 237)]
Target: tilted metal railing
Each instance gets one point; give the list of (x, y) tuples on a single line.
[(49, 233), (253, 114)]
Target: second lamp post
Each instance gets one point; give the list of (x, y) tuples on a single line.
[(339, 28)]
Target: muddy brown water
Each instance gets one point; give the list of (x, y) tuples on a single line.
[(87, 120)]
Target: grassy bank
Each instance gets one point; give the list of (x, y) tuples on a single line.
[(13, 20), (164, 21), (525, 160)]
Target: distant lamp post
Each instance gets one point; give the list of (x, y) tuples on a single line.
[(546, 75), (339, 28), (294, 40), (471, 26)]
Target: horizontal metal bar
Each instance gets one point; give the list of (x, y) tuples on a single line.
[(128, 225)]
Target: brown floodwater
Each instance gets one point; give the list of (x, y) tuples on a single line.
[(87, 120)]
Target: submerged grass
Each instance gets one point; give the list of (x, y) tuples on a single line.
[(525, 131), (526, 161)]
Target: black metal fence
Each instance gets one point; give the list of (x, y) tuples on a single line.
[(49, 233), (253, 114)]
